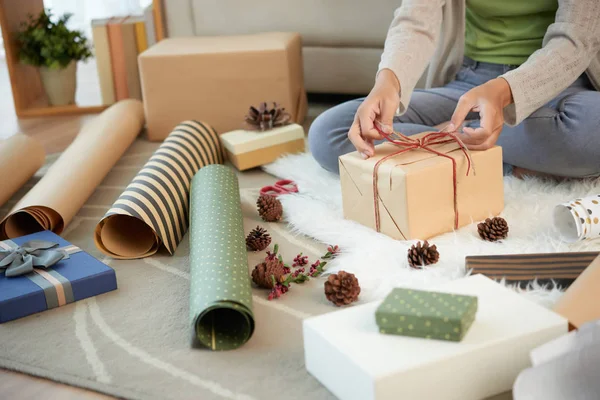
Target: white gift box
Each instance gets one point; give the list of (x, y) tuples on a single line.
[(345, 351)]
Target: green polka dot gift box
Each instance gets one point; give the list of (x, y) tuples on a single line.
[(428, 315)]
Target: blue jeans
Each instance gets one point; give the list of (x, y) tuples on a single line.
[(561, 138)]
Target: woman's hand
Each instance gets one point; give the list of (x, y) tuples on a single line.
[(489, 100), (381, 104)]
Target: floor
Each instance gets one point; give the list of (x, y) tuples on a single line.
[(55, 134)]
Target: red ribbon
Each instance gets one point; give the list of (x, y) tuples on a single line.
[(406, 144)]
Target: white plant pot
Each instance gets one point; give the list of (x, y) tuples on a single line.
[(60, 84)]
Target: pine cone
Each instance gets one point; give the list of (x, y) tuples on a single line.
[(258, 239), (342, 288), (269, 208), (261, 274), (493, 229), (264, 118), (422, 254)]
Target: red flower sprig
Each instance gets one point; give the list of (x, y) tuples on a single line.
[(298, 275)]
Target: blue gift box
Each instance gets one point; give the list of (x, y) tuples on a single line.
[(76, 278)]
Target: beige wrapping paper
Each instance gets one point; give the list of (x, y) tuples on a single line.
[(20, 158), (153, 210), (52, 203), (581, 302)]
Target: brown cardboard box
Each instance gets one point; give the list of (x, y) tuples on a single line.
[(248, 149), (216, 79), (580, 303), (416, 195)]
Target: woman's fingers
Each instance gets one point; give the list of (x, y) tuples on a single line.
[(464, 106), (363, 146)]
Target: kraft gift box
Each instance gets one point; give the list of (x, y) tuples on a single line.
[(76, 278), (248, 149), (416, 189), (424, 314), (215, 79), (346, 352)]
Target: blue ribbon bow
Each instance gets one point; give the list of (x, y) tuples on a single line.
[(21, 260)]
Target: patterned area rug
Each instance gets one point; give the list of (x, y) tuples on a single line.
[(135, 342)]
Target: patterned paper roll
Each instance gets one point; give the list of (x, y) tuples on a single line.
[(153, 209), (52, 203), (578, 219), (220, 295), (20, 157)]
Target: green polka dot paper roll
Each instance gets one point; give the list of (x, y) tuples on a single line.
[(428, 315), (220, 295)]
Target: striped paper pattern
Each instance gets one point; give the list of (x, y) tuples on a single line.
[(562, 267), (159, 194)]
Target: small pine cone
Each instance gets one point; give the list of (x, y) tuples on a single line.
[(258, 239), (264, 117), (422, 254), (493, 229), (342, 288), (269, 208), (261, 274)]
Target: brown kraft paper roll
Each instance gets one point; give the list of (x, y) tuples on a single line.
[(581, 302), (54, 201), (20, 158), (153, 211)]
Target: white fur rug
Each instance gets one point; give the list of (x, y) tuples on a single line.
[(380, 263)]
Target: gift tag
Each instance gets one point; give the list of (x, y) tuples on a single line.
[(578, 219)]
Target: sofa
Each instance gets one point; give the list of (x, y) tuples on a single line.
[(342, 39)]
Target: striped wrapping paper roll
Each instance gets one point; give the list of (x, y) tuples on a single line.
[(153, 209), (524, 268)]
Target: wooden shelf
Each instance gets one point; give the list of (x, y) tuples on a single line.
[(28, 93)]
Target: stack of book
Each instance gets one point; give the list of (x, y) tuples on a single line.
[(117, 43)]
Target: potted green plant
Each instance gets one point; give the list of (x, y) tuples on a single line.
[(54, 49)]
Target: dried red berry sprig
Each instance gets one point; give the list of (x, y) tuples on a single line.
[(280, 283)]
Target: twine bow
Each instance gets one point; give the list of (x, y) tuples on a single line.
[(23, 259), (406, 144)]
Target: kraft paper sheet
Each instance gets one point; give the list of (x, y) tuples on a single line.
[(581, 302), (153, 210), (20, 158), (578, 219), (220, 294), (54, 201)]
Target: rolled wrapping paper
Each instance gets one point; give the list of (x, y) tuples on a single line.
[(581, 301), (153, 209), (578, 219), (20, 158), (220, 295), (56, 198)]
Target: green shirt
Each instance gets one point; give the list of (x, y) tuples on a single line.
[(506, 31)]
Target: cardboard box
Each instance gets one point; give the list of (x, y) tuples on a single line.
[(72, 279), (345, 351), (216, 79), (248, 149), (416, 192), (425, 314)]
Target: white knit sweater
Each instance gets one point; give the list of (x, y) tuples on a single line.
[(430, 34)]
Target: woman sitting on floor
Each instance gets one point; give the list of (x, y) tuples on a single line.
[(528, 81)]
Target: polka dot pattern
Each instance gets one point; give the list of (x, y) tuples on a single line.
[(220, 294), (429, 315), (586, 222)]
